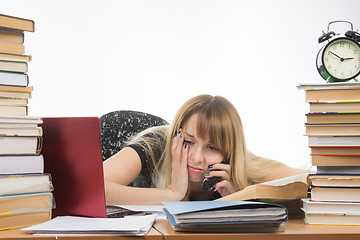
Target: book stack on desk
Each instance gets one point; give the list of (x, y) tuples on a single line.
[(333, 130), (25, 190)]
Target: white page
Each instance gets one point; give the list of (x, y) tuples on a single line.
[(283, 181), (147, 209), (84, 225)]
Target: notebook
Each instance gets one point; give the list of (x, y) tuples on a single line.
[(73, 157)]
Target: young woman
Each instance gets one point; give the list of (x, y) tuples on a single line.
[(170, 162)]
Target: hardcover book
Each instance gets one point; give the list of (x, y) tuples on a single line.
[(333, 129), (333, 117), (26, 219), (25, 183), (20, 145), (330, 207), (12, 66), (11, 36), (22, 203), (332, 160), (16, 23), (340, 180), (14, 79), (334, 141), (21, 164), (335, 194)]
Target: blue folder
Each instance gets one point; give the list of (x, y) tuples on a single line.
[(178, 207)]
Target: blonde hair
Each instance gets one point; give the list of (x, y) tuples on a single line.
[(219, 121), (153, 136)]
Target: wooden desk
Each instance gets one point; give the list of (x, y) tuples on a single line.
[(153, 234), (294, 229)]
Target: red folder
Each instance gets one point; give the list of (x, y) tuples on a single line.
[(72, 155)]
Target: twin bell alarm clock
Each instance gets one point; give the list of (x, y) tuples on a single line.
[(339, 59)]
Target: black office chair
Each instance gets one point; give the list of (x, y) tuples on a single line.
[(118, 126)]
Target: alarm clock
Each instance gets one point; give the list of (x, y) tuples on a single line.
[(339, 59)]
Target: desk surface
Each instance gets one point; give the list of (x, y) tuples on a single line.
[(294, 229), (17, 234)]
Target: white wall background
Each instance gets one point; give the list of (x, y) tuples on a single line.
[(92, 57)]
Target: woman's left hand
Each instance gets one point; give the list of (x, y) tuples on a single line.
[(225, 186)]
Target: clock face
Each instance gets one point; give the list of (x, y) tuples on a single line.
[(341, 58)]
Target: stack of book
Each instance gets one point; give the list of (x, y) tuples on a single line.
[(333, 130), (25, 190)]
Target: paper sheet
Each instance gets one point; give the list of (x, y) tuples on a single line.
[(148, 209), (132, 225)]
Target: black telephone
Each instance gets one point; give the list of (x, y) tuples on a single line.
[(208, 183)]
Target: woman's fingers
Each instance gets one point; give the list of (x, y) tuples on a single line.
[(177, 145), (221, 166), (220, 170), (225, 188), (223, 174), (179, 176)]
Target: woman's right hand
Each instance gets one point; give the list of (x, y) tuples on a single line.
[(179, 174)]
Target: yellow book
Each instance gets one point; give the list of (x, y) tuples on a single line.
[(16, 23), (15, 57), (12, 48), (16, 89), (14, 110), (15, 204), (21, 220), (15, 92), (11, 36), (13, 66)]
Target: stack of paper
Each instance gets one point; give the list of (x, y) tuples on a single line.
[(128, 226), (225, 216)]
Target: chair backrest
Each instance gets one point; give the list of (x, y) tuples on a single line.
[(118, 126)]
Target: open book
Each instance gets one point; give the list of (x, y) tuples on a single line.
[(289, 188)]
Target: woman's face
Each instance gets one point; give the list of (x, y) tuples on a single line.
[(202, 153)]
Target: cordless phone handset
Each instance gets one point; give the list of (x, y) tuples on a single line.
[(208, 183)]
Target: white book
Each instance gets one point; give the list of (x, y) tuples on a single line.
[(335, 194), (21, 164), (34, 131), (344, 179), (25, 183), (13, 101), (11, 121), (334, 141), (20, 145), (339, 85), (20, 119), (14, 110), (18, 125), (330, 207), (14, 79), (338, 170)]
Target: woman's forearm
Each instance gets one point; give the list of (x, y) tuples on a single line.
[(117, 194)]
